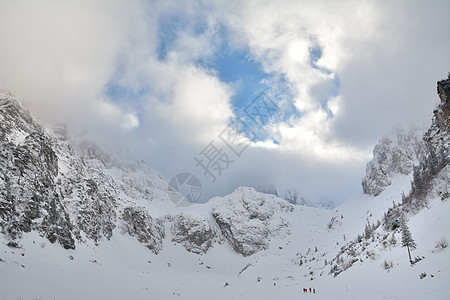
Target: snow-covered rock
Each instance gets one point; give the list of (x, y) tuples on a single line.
[(249, 219), (148, 230), (432, 174), (195, 233), (392, 155), (398, 154), (73, 191), (70, 191)]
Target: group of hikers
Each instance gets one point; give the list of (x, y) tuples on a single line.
[(310, 290)]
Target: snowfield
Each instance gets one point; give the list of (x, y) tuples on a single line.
[(122, 268)]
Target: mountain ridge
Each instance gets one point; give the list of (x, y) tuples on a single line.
[(117, 216)]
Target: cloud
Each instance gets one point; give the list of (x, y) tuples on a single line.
[(130, 121), (391, 78), (365, 79), (142, 76), (59, 55)]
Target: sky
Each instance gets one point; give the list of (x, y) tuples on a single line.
[(291, 95)]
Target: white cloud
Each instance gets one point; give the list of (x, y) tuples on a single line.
[(372, 48), (281, 36), (59, 56), (130, 121)]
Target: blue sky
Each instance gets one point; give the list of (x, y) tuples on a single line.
[(234, 66)]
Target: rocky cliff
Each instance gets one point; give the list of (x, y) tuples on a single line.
[(73, 192), (70, 192), (392, 155), (425, 155)]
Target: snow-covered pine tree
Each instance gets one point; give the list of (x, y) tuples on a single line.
[(407, 240), (403, 197), (416, 184)]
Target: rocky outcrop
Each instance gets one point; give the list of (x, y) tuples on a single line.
[(432, 170), (74, 192), (195, 233), (15, 121), (248, 219), (426, 156), (57, 225), (392, 155), (440, 125), (443, 90), (410, 152), (29, 197), (64, 190), (148, 230)]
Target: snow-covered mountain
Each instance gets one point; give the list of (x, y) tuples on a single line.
[(70, 192), (77, 222), (393, 155)]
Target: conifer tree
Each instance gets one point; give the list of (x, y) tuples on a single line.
[(407, 240)]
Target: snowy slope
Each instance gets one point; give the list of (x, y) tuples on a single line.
[(80, 223), (123, 268)]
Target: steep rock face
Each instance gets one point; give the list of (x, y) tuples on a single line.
[(195, 233), (429, 153), (443, 90), (91, 195), (29, 166), (248, 219), (431, 173), (431, 182), (438, 134), (148, 230), (433, 168), (68, 191), (73, 192), (15, 121), (394, 155)]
